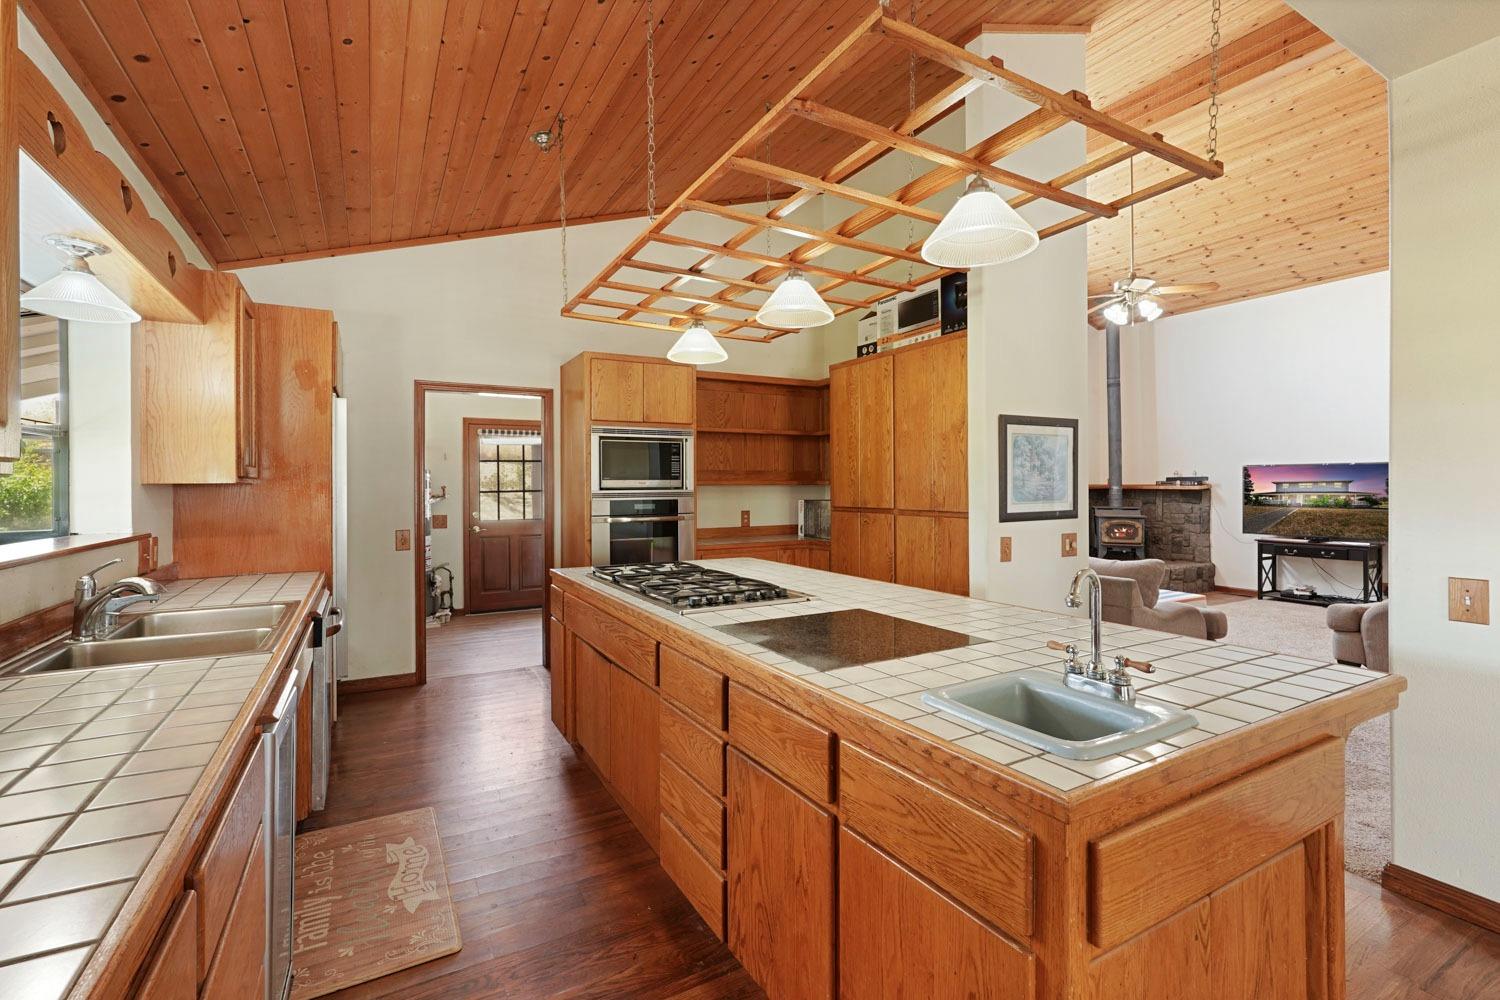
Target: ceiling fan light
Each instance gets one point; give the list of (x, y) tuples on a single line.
[(980, 229), (75, 292), (1148, 309), (697, 346), (1117, 313), (794, 305)]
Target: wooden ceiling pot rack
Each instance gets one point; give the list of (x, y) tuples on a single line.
[(1053, 110)]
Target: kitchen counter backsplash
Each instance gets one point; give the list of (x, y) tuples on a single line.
[(1226, 686), (94, 767)]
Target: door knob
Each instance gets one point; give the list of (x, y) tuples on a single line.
[(474, 528)]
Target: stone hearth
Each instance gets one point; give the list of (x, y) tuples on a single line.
[(1178, 532)]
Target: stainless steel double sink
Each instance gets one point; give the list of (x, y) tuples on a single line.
[(158, 636)]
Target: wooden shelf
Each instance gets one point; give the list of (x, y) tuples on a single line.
[(757, 430), (751, 481)]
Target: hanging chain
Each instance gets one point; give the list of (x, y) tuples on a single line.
[(562, 205), (1213, 83), (911, 112), (651, 112), (765, 154)]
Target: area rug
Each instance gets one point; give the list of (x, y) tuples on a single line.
[(372, 899), (1301, 630)]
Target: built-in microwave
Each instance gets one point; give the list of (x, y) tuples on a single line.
[(642, 459)]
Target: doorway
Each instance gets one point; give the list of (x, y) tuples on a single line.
[(483, 536)]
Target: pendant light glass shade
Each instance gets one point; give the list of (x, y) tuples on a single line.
[(76, 293), (1118, 313), (980, 229), (697, 346), (1148, 310), (794, 305)]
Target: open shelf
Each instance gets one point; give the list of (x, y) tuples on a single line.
[(760, 430)]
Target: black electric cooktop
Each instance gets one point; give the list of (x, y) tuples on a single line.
[(846, 638)]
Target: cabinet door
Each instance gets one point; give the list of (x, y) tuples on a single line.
[(877, 547), (172, 970), (899, 937), (591, 681), (843, 542), (635, 749), (616, 390), (247, 418), (933, 552), (843, 437), (875, 433), (669, 392), (781, 880), (561, 675), (239, 969), (930, 397)]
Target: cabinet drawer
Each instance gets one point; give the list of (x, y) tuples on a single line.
[(798, 751), (239, 969), (555, 602), (694, 749), (172, 970), (696, 813), (616, 640), (700, 882), (982, 863), (697, 689), (216, 876)]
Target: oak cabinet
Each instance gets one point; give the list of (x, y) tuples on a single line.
[(199, 405), (622, 390), (809, 553), (862, 543), (561, 678), (635, 749), (932, 552), (931, 398), (781, 884), (171, 972), (591, 681), (669, 393), (859, 415), (239, 968), (761, 431), (900, 937)]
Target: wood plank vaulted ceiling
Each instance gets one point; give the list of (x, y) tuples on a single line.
[(280, 129)]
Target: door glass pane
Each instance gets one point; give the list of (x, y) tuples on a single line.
[(489, 507), (488, 451), (511, 507), (489, 477), (510, 476)]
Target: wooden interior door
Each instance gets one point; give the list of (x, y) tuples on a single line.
[(505, 497)]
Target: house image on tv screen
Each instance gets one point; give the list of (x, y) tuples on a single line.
[(1300, 492)]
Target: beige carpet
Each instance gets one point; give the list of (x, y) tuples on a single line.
[(1300, 629)]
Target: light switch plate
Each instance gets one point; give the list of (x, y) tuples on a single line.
[(1069, 544), (1005, 548), (403, 539), (744, 519), (1468, 600)]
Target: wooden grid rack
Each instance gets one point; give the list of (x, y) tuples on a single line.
[(741, 270)]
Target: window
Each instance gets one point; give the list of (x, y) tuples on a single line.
[(34, 495), (510, 474)]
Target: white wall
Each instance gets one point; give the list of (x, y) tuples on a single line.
[(481, 311), (1445, 463), (1303, 376), (720, 506), (445, 459), (1027, 346), (33, 587)]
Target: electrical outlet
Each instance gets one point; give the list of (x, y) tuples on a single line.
[(439, 521), (1468, 600), (403, 539), (744, 519), (1005, 548), (1069, 544)]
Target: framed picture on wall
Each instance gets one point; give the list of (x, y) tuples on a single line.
[(1038, 468)]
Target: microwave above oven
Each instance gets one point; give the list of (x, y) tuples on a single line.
[(636, 459)]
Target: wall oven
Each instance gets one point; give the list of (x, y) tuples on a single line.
[(641, 459), (643, 529)]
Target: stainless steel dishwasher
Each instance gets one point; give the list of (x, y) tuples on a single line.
[(279, 734)]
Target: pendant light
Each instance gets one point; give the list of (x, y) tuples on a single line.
[(794, 305), (76, 293), (697, 346), (980, 229)]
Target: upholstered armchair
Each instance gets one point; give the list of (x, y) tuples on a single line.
[(1131, 588), (1359, 634)]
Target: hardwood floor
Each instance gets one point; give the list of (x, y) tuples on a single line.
[(558, 896)]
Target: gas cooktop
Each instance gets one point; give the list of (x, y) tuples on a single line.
[(687, 587)]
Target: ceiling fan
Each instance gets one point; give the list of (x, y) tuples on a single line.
[(1136, 298)]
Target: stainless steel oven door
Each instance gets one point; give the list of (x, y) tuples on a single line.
[(637, 460), (280, 738), (642, 530)]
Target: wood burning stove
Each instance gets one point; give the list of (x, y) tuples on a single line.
[(1119, 533)]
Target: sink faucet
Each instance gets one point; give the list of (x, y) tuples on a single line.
[(1094, 677), (96, 611)]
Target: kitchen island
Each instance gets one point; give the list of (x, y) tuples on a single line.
[(846, 838)]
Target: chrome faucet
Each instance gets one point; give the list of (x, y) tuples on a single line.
[(1094, 677), (96, 612)]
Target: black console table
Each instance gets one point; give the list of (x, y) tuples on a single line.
[(1370, 555)]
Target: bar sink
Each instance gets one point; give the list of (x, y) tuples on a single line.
[(199, 620), (1035, 707)]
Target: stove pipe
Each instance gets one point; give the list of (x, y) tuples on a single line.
[(1112, 397)]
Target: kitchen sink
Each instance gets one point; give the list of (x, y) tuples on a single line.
[(200, 620), (1038, 709)]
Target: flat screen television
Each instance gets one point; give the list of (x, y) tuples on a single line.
[(1321, 502)]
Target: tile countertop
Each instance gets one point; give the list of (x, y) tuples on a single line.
[(95, 766), (1224, 685)]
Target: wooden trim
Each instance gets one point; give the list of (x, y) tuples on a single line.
[(810, 383), (752, 532), (420, 389), (31, 630), (785, 175), (386, 682), (41, 549), (10, 245), (1009, 28), (766, 222), (1237, 591), (1449, 899)]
